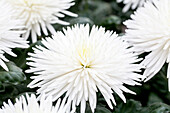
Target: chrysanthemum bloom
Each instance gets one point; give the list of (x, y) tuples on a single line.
[(148, 31), (30, 104), (79, 62), (38, 15), (132, 4), (9, 33)]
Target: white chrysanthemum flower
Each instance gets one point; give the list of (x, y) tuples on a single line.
[(132, 4), (9, 33), (79, 62), (40, 14), (148, 31), (30, 104)]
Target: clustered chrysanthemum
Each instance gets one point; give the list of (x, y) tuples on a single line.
[(10, 31), (30, 104), (132, 4), (148, 31), (80, 62), (38, 15)]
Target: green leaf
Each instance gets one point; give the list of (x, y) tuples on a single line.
[(112, 23), (81, 20), (101, 109), (13, 76), (2, 89), (153, 98), (156, 108), (9, 93), (97, 11), (160, 80), (112, 20), (131, 106)]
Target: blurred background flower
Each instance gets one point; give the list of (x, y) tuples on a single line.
[(38, 15), (148, 31), (132, 4), (30, 104), (10, 31)]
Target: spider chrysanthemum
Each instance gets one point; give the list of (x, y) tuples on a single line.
[(79, 62), (30, 104), (10, 31), (148, 31), (39, 15), (132, 4)]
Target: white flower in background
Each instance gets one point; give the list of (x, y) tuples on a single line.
[(132, 4), (9, 33), (30, 104), (38, 15), (79, 62), (149, 31)]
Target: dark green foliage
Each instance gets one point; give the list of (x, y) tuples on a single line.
[(156, 108), (12, 82), (133, 106), (13, 76)]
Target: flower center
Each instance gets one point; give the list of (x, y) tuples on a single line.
[(29, 5), (32, 11), (85, 55)]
